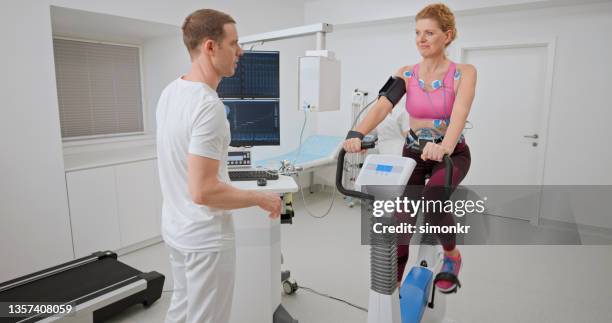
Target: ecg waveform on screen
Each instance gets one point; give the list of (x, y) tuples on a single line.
[(257, 122), (253, 122)]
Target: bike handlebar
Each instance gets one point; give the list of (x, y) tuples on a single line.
[(448, 176)]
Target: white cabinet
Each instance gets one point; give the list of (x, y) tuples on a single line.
[(113, 207), (138, 201), (93, 210)]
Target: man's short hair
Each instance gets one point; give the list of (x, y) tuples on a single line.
[(204, 24)]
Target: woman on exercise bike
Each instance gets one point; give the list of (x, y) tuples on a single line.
[(439, 95)]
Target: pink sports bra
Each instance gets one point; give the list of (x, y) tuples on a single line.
[(436, 104)]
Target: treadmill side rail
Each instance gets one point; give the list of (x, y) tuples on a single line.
[(85, 312), (152, 292)]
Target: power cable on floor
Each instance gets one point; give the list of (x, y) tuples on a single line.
[(308, 289)]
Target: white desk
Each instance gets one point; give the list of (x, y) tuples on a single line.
[(257, 291)]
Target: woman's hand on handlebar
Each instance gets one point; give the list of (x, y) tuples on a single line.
[(352, 145), (434, 152)]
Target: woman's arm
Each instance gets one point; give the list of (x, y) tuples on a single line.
[(373, 118), (461, 107), (461, 110), (376, 115)]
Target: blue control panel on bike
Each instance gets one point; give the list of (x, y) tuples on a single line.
[(384, 168)]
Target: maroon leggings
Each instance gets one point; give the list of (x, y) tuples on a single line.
[(433, 190)]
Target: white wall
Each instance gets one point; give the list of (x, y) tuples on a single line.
[(340, 12), (34, 223), (163, 60), (34, 227), (580, 105)]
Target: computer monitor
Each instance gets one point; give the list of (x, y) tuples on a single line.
[(251, 98), (256, 77), (253, 122)]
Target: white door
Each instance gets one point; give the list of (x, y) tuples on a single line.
[(507, 117)]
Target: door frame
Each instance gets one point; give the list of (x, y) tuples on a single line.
[(550, 45)]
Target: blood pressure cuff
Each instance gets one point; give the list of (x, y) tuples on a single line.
[(394, 89)]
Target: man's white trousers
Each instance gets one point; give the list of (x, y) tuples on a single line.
[(203, 286)]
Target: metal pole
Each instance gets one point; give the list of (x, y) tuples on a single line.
[(320, 40)]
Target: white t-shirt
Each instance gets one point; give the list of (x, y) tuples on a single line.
[(191, 120)]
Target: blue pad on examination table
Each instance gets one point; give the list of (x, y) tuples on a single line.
[(316, 150)]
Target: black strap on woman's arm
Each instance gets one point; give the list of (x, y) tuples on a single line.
[(354, 134)]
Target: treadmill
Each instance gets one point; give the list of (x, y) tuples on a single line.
[(98, 287)]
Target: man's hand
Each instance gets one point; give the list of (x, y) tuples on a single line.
[(270, 202)]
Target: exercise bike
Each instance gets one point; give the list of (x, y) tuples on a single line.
[(413, 304)]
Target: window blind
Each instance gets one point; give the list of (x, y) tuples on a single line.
[(98, 87)]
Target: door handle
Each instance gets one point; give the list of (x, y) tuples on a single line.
[(534, 136)]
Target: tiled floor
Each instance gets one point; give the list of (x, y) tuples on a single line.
[(500, 283)]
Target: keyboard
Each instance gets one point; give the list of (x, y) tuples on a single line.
[(252, 175)]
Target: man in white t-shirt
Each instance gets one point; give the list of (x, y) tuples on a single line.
[(192, 141)]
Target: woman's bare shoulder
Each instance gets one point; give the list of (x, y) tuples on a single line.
[(404, 71), (466, 68)]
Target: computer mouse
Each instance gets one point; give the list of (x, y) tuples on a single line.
[(262, 182)]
